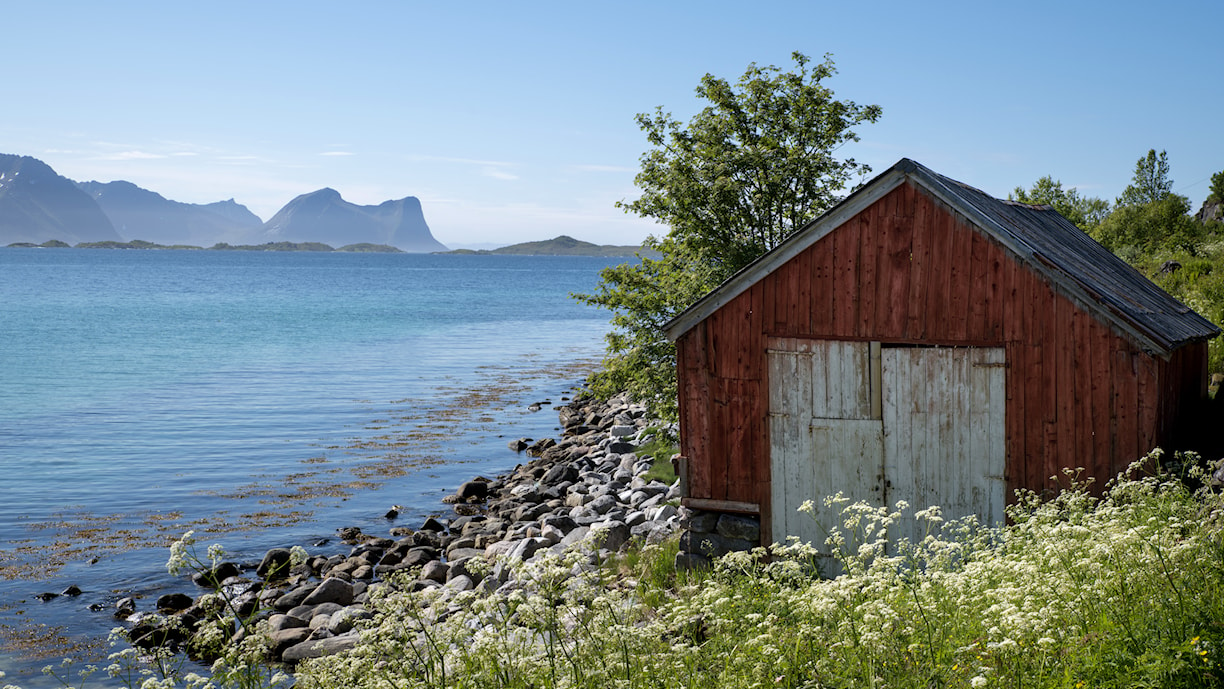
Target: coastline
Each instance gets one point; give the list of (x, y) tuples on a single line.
[(587, 489)]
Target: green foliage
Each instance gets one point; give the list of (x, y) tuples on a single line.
[(1151, 182), (1084, 211), (1152, 228), (1076, 592), (748, 170), (659, 449), (1216, 192)]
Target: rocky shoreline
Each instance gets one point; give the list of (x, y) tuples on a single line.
[(586, 489)]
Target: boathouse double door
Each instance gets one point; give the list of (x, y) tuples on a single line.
[(882, 424)]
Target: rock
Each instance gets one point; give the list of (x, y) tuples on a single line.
[(212, 578), (739, 527), (611, 535), (173, 602), (473, 491), (520, 444), (435, 570), (527, 547), (432, 524), (275, 564), (331, 590), (560, 473), (712, 544), (343, 621), (690, 561), (701, 522), (72, 591), (622, 431), (318, 648), (287, 638), (294, 598), (124, 607), (280, 622)]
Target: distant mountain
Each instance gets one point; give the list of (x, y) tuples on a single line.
[(323, 216), (38, 205), (141, 214), (560, 246)]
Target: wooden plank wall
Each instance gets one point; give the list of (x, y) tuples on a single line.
[(909, 270)]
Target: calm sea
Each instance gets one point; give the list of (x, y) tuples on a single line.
[(260, 399)]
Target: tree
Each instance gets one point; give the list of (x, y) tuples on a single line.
[(1151, 181), (1150, 221), (752, 167), (1153, 230), (1085, 212), (1215, 193)]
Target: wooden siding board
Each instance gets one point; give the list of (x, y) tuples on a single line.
[(803, 294), (1125, 403), (997, 286), (846, 266), (742, 468), (977, 327), (867, 282), (938, 276), (822, 287), (695, 419), (1081, 384), (1148, 393), (919, 268), (1034, 412), (900, 248), (882, 260), (960, 287)]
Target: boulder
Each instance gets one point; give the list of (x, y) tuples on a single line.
[(173, 602), (739, 527), (473, 491), (286, 638), (331, 590), (318, 648), (275, 564)]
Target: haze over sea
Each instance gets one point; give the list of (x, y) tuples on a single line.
[(259, 398)]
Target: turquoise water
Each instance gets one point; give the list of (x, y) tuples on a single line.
[(260, 398)]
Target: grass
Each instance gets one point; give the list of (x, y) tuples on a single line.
[(659, 449), (1125, 590)]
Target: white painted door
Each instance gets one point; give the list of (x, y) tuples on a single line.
[(919, 424), (826, 434), (944, 436)]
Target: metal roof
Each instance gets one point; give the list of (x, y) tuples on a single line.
[(1049, 244)]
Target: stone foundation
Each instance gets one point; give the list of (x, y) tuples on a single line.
[(706, 535)]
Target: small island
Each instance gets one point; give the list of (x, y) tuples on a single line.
[(560, 246)]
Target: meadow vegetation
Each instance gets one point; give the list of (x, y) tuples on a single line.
[(1123, 590)]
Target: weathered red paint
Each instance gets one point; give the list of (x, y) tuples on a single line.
[(909, 269)]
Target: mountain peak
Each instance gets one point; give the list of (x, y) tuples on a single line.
[(324, 216), (38, 205)]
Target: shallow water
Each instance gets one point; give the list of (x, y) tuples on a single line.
[(259, 398)]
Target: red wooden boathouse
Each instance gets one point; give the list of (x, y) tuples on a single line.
[(924, 341)]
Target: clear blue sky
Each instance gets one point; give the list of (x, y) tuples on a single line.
[(514, 121)]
